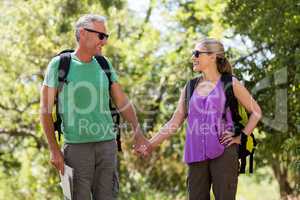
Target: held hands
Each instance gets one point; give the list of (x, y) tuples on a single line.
[(228, 139), (145, 150), (142, 146)]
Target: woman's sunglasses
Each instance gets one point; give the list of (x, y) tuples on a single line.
[(101, 36), (197, 53)]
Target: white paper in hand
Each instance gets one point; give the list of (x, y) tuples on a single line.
[(67, 182)]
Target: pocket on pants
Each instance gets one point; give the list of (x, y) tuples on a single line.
[(187, 183), (65, 151), (115, 184)]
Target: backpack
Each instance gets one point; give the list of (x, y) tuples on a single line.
[(239, 118), (63, 69)]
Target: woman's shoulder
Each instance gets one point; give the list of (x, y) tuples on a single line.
[(231, 77)]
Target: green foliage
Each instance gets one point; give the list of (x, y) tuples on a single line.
[(273, 28), (153, 62)]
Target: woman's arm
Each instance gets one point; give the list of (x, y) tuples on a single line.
[(172, 125), (246, 100)]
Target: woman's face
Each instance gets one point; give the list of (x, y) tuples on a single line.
[(201, 59)]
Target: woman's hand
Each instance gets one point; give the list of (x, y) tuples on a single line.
[(228, 139), (145, 150)]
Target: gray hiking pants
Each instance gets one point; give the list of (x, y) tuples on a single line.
[(95, 169)]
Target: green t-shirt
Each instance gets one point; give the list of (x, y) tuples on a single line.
[(83, 100)]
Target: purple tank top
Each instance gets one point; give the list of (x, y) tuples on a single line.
[(205, 125)]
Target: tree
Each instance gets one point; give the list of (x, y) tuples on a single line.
[(153, 62), (273, 29)]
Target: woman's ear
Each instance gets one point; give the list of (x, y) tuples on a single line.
[(213, 57)]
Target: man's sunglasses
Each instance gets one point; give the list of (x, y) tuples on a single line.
[(101, 36), (197, 53)]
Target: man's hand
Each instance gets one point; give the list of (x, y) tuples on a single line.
[(146, 150), (57, 160), (140, 143)]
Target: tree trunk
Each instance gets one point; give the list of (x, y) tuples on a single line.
[(280, 173)]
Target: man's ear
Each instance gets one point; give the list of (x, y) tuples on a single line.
[(82, 32)]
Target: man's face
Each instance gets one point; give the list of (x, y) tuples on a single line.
[(94, 38)]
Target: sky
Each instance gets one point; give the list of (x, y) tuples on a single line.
[(139, 6)]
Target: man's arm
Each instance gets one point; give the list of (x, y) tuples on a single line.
[(128, 113), (46, 106)]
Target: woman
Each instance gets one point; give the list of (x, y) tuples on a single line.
[(210, 148)]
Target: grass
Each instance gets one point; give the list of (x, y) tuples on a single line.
[(249, 188)]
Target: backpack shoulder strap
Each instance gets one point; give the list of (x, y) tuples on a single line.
[(65, 51), (231, 100), (63, 68), (105, 67), (189, 89), (114, 112)]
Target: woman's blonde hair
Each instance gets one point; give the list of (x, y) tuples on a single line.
[(215, 46)]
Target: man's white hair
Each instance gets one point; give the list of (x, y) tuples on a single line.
[(85, 21)]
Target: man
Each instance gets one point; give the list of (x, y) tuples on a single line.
[(90, 146)]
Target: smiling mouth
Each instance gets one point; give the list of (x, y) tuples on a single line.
[(195, 63)]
